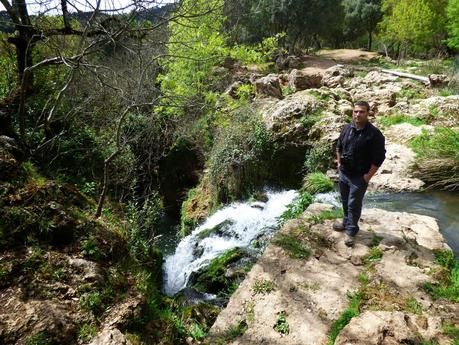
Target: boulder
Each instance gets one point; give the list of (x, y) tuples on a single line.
[(269, 86), (232, 89), (438, 79), (335, 76), (301, 80), (19, 320), (110, 336)]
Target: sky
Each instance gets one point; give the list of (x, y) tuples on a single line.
[(53, 6)]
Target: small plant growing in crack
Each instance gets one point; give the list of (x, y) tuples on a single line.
[(263, 286), (281, 326)]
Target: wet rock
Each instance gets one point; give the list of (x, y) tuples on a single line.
[(222, 229), (301, 80), (258, 204), (269, 86)]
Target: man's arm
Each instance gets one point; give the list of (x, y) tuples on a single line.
[(367, 177), (338, 158), (378, 156)]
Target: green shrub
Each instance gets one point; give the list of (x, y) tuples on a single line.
[(238, 161), (443, 143), (319, 158), (327, 214), (448, 285), (263, 286), (86, 332), (143, 220), (297, 207), (317, 182)]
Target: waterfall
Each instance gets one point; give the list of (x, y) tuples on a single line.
[(238, 225)]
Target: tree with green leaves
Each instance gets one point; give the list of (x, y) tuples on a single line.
[(362, 16), (453, 23), (414, 24)]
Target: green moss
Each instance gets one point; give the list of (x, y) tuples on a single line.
[(40, 338), (452, 331), (212, 278), (293, 246), (413, 306)]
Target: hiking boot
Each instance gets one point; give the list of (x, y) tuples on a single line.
[(349, 240), (337, 226)]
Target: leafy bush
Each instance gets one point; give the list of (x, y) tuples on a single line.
[(143, 220), (319, 158), (238, 160), (297, 207)]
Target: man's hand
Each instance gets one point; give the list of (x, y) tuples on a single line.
[(367, 178)]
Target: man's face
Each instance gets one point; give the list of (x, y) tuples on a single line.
[(360, 115)]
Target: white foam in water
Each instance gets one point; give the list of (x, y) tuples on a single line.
[(247, 224), (331, 198)]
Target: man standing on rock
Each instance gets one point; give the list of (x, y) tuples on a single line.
[(360, 152)]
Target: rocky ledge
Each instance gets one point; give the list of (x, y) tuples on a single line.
[(308, 283)]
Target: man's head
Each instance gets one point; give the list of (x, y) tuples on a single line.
[(360, 113)]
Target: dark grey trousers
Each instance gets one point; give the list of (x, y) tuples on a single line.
[(352, 190)]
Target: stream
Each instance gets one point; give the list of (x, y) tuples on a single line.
[(240, 224)]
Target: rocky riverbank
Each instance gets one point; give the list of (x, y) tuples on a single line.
[(388, 270)]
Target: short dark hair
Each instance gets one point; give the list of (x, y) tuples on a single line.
[(363, 104)]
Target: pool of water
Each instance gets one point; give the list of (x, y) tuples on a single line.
[(443, 206)]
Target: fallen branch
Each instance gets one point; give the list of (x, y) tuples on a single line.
[(408, 75)]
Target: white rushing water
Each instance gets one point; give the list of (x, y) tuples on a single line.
[(246, 222)]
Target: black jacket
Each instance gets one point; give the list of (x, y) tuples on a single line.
[(359, 149)]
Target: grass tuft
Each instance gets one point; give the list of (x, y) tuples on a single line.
[(346, 316), (317, 182), (391, 120), (293, 246), (263, 286)]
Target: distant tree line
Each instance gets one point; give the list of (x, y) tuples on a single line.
[(414, 26)]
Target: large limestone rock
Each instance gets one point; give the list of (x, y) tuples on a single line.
[(301, 80), (389, 328), (336, 76), (19, 320), (269, 86), (313, 293), (283, 117), (396, 173)]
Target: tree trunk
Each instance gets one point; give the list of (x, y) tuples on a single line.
[(370, 40)]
